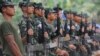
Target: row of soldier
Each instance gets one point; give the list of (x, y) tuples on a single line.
[(44, 33)]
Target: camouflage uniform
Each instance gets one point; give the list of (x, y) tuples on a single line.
[(25, 24)]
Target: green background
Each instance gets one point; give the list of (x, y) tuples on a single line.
[(91, 7)]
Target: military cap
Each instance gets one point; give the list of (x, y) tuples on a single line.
[(69, 12), (34, 4), (25, 3), (65, 12), (77, 14), (83, 15), (39, 6), (73, 12), (49, 10), (57, 8), (6, 2)]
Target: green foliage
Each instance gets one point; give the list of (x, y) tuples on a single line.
[(89, 6)]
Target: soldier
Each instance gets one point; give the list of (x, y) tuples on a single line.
[(39, 17), (82, 33), (27, 9), (50, 17), (58, 21), (34, 5), (38, 9), (73, 42), (27, 27), (11, 41)]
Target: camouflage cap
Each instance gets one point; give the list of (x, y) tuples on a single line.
[(6, 2), (25, 3), (57, 8), (39, 6), (66, 12), (70, 12), (49, 10), (83, 15), (34, 4)]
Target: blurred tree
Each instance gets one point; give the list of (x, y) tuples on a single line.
[(89, 6)]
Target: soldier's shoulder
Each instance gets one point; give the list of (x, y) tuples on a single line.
[(5, 23)]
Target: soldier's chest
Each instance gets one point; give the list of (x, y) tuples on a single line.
[(51, 27)]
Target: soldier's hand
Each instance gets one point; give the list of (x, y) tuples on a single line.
[(46, 35), (71, 46), (83, 48), (60, 52), (30, 31), (24, 40)]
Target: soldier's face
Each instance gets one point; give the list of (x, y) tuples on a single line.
[(40, 12), (43, 11), (9, 10), (33, 9), (84, 20), (77, 19), (30, 9), (59, 13), (71, 16), (68, 16), (53, 16)]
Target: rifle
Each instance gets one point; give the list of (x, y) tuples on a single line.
[(65, 28), (44, 40), (28, 25), (81, 25), (58, 27), (70, 31), (58, 24), (93, 25), (58, 21)]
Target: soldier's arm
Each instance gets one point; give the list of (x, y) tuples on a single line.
[(13, 46), (7, 34), (30, 33)]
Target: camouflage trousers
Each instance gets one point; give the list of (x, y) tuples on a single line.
[(38, 50), (34, 50)]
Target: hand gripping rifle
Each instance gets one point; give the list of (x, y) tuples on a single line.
[(58, 24), (28, 38), (43, 38)]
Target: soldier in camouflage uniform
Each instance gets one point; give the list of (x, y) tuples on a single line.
[(81, 34), (39, 17), (73, 39), (27, 27), (50, 17)]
